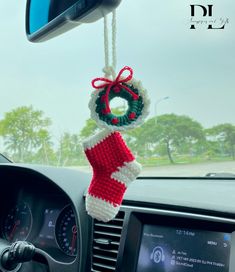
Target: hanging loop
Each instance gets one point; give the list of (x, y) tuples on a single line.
[(109, 69)]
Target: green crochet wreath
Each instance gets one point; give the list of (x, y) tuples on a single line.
[(133, 112)]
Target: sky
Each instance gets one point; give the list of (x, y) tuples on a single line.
[(194, 68)]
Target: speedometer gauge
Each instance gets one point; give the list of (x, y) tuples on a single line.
[(18, 222), (67, 231)]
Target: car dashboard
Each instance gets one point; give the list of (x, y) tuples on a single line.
[(164, 224)]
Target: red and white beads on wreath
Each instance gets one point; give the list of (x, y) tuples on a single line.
[(125, 87)]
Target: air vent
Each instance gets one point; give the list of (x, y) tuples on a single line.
[(106, 243)]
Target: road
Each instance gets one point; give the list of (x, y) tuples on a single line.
[(198, 169), (184, 170)]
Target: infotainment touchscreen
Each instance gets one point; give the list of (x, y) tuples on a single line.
[(168, 249)]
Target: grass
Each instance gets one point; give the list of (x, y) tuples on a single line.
[(162, 161)]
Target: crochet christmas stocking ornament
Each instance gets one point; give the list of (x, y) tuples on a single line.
[(114, 168)]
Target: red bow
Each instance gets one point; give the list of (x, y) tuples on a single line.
[(117, 83)]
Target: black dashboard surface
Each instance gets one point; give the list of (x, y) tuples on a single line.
[(42, 207), (207, 204), (216, 195)]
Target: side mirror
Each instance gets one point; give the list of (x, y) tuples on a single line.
[(46, 19)]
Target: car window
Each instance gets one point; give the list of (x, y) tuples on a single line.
[(3, 159), (188, 73)]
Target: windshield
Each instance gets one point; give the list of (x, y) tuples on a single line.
[(188, 73)]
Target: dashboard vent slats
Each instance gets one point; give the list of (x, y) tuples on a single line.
[(106, 243)]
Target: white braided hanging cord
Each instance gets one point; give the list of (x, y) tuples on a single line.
[(114, 40), (109, 70)]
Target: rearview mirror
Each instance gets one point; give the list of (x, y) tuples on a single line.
[(46, 19)]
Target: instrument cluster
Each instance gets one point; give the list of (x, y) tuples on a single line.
[(50, 225)]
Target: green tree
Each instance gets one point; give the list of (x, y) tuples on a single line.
[(224, 136), (175, 132), (45, 153), (25, 131), (70, 150), (89, 129), (136, 142)]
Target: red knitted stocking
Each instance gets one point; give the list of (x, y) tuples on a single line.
[(114, 168)]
